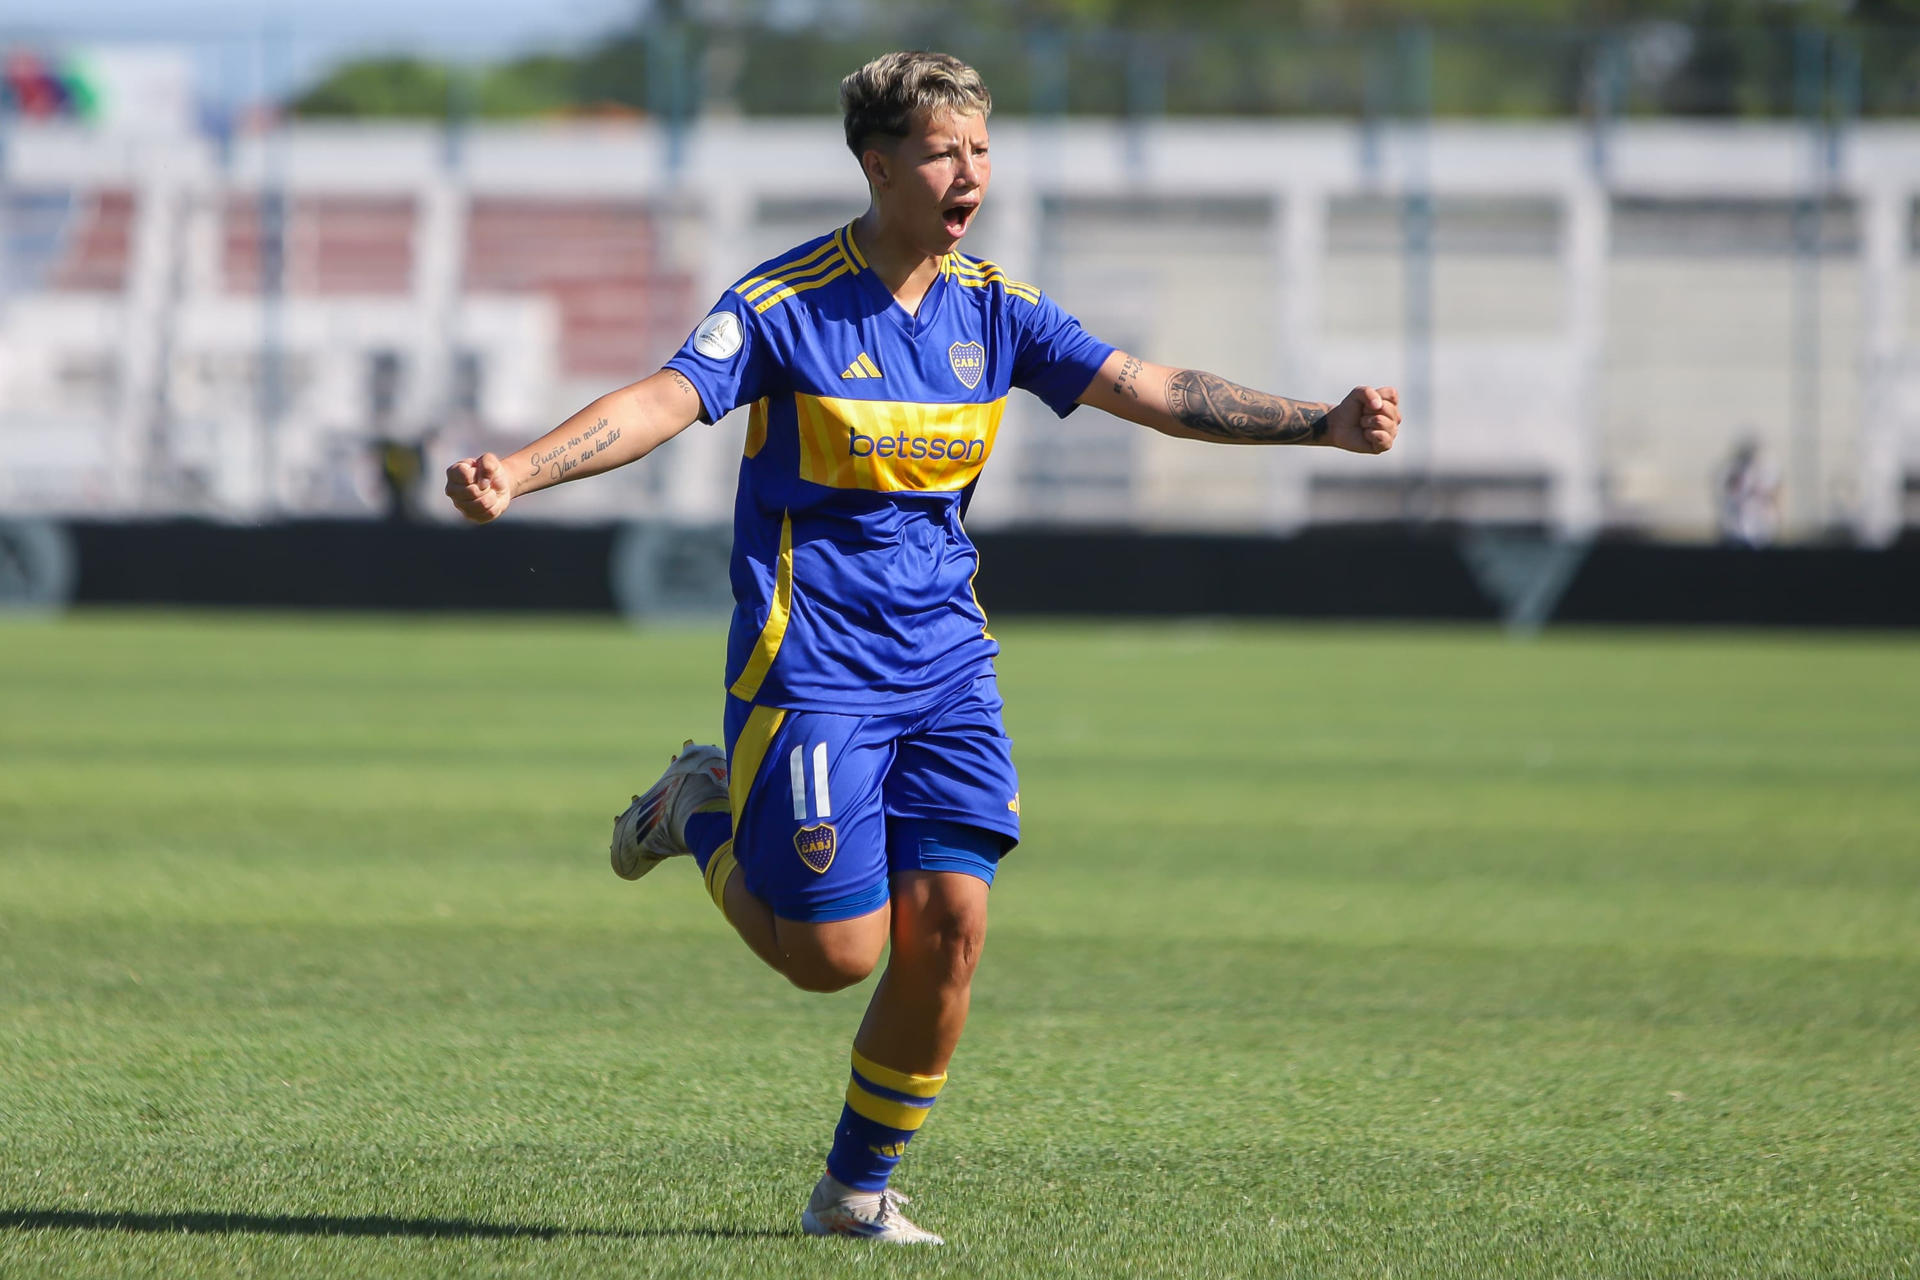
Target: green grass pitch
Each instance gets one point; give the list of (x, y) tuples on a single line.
[(1330, 952)]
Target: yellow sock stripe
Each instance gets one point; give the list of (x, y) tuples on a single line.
[(894, 1115), (898, 1081), (719, 867), (768, 645)]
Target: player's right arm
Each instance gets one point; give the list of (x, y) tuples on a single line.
[(620, 427)]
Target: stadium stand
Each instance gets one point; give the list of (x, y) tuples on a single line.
[(1580, 346), (66, 240), (334, 245), (599, 261)]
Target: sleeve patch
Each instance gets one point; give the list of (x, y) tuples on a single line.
[(718, 336)]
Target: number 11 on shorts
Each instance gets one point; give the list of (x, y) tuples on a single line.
[(797, 774)]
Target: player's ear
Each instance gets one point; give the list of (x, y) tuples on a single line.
[(878, 164)]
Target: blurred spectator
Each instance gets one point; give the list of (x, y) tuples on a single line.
[(1749, 497), (401, 465)]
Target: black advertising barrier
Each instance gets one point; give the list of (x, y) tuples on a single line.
[(1324, 573), (1352, 574), (1783, 586), (343, 564)]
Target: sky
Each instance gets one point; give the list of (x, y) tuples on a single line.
[(225, 35)]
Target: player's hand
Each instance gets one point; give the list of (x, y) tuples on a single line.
[(1367, 421), (479, 487)]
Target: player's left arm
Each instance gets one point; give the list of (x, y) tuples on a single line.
[(1196, 405)]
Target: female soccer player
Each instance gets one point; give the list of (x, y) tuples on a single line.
[(867, 793)]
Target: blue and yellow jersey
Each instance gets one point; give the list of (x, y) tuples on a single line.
[(852, 575)]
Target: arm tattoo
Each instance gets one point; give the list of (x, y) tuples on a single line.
[(563, 459), (680, 379), (1234, 414), (1127, 383)]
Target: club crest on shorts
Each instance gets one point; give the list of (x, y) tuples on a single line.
[(969, 362), (815, 846)]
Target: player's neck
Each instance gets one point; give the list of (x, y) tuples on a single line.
[(906, 271)]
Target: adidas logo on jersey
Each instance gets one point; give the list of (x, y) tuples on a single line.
[(862, 367)]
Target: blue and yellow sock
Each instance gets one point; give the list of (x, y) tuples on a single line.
[(710, 836), (707, 831), (885, 1108)]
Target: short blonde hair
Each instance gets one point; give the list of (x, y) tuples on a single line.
[(882, 97)]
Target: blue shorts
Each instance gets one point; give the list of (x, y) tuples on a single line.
[(835, 805)]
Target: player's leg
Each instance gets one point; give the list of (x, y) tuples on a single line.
[(952, 800), (911, 1029), (919, 1008), (823, 956), (796, 861)]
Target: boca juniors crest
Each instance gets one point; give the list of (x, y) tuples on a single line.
[(815, 846), (969, 362)]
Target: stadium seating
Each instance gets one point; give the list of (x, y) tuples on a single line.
[(1576, 349)]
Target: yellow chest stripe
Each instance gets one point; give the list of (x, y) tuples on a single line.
[(894, 445)]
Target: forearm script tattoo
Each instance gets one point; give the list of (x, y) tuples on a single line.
[(561, 460), (1230, 412)]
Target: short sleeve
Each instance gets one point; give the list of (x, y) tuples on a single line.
[(1054, 357), (725, 358)]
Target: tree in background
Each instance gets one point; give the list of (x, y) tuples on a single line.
[(1199, 57)]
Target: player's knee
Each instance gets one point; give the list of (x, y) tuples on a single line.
[(831, 957), (959, 954), (828, 973), (947, 947)]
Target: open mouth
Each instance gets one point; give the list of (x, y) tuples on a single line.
[(956, 217)]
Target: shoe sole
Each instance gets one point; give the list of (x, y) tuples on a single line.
[(814, 1227), (640, 867)]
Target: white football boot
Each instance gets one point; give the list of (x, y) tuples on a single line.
[(836, 1209), (654, 827)]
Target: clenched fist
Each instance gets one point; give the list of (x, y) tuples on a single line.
[(479, 487), (1367, 421)]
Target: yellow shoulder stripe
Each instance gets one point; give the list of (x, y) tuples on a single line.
[(994, 276), (842, 267), (853, 250), (981, 273), (785, 278), (788, 268)]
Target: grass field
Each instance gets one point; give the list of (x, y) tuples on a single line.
[(1330, 952)]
